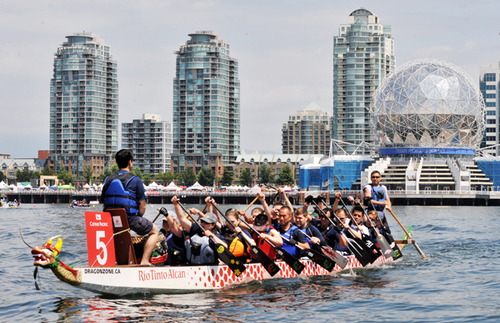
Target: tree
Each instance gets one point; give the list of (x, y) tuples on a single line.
[(147, 179), (88, 171), (227, 177), (206, 177), (265, 174), (245, 177), (64, 176), (286, 176), (48, 171), (137, 172), (23, 175), (166, 177), (188, 177), (2, 176)]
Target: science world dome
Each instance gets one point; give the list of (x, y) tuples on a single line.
[(428, 104)]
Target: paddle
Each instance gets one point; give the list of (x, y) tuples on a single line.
[(315, 256), (290, 260), (227, 257), (260, 255), (249, 205), (355, 245), (366, 239), (408, 235), (397, 252), (333, 254)]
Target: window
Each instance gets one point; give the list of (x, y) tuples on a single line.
[(490, 77), (491, 96)]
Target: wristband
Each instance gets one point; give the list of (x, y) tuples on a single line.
[(176, 204)]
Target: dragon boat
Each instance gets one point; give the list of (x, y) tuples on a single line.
[(132, 278)]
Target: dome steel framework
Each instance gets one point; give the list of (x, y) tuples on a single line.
[(428, 103)]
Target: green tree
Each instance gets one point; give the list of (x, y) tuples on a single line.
[(206, 177), (48, 171), (2, 176), (64, 176), (23, 175), (137, 172), (245, 177), (265, 174), (286, 176), (147, 179), (188, 177), (227, 177), (88, 171), (166, 177)]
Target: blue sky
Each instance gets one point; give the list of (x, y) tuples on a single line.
[(284, 49)]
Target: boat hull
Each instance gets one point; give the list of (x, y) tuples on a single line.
[(124, 280)]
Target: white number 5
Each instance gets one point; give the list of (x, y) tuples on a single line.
[(100, 245)]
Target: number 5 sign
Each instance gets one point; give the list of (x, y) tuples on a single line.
[(100, 242)]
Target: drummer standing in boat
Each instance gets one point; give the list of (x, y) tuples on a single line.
[(125, 190), (375, 196)]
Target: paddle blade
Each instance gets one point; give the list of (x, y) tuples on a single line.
[(290, 260), (356, 248), (236, 266), (339, 259), (384, 246), (320, 259), (264, 259)]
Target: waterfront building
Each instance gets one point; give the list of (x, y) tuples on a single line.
[(83, 106), (150, 139), (206, 104), (10, 166), (489, 81), (307, 132), (363, 54), (276, 162)]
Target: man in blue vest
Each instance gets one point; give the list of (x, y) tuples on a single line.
[(124, 190), (375, 196)]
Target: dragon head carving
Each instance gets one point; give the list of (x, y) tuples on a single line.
[(46, 256)]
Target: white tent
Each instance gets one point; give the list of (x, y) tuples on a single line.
[(195, 187), (152, 186), (3, 185), (12, 187), (172, 187), (28, 187), (43, 186), (233, 188), (86, 186), (287, 188), (245, 188), (255, 189)]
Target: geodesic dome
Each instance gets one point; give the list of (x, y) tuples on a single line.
[(428, 103)]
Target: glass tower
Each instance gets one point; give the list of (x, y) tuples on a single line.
[(489, 84), (83, 106), (363, 54), (206, 104)]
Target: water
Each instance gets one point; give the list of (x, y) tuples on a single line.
[(457, 282)]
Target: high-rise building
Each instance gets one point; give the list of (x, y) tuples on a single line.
[(206, 105), (83, 106), (307, 132), (489, 82), (150, 139), (363, 54)]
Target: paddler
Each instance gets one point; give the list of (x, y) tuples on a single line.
[(290, 232), (376, 197), (306, 227), (266, 231), (200, 250), (175, 237)]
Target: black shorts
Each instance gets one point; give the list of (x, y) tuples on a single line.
[(140, 225)]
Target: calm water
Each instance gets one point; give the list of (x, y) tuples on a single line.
[(459, 281)]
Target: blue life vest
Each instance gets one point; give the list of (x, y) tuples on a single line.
[(293, 250), (176, 253), (117, 196), (378, 194)]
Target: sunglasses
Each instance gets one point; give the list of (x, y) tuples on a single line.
[(375, 176), (322, 217), (342, 219), (357, 215)]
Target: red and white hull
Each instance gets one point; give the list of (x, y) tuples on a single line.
[(123, 280)]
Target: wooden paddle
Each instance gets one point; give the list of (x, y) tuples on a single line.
[(339, 259), (408, 235), (227, 257), (260, 255), (357, 247), (290, 260), (315, 256)]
